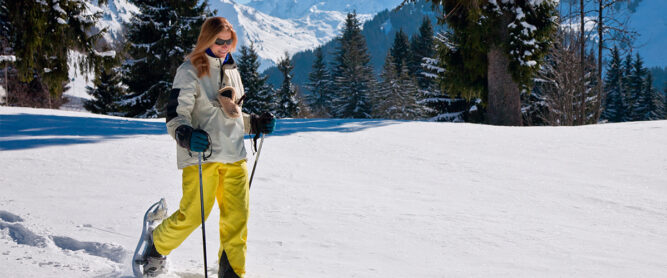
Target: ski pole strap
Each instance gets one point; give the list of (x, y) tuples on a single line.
[(209, 148), (254, 141)]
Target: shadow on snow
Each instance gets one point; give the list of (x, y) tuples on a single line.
[(292, 126), (25, 131), (16, 130)]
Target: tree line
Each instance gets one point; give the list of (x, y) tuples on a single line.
[(507, 63)]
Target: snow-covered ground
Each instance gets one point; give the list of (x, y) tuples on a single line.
[(346, 198)]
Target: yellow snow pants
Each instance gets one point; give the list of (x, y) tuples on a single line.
[(228, 183)]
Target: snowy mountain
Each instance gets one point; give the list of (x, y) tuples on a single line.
[(379, 33), (346, 198), (273, 36), (114, 15), (292, 9)]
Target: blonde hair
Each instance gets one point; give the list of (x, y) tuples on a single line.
[(207, 36)]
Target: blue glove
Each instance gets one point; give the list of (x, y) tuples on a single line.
[(193, 140), (199, 141), (265, 123)]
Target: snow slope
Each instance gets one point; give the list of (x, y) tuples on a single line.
[(273, 36), (301, 8), (347, 198)]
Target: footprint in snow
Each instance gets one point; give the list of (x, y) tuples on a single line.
[(10, 217), (22, 235), (105, 250)]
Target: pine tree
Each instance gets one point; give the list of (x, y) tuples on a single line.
[(441, 106), (628, 95), (288, 105), (397, 95), (259, 95), (499, 48), (636, 91), (422, 45), (320, 86), (160, 36), (384, 96), (400, 50), (654, 100), (42, 34), (107, 92), (408, 107), (354, 79), (614, 108)]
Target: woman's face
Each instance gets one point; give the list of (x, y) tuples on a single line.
[(222, 50)]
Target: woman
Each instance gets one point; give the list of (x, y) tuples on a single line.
[(204, 121)]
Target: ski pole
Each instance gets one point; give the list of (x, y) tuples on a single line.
[(261, 142), (203, 224)]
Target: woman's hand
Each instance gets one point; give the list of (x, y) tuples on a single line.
[(264, 123)]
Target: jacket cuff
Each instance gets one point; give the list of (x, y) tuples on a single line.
[(183, 135)]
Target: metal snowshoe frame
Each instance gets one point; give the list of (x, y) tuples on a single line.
[(155, 212)]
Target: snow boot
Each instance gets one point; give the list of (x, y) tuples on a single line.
[(155, 264), (224, 269)]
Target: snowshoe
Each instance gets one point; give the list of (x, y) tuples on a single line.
[(142, 265)]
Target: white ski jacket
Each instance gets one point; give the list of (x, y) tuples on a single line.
[(193, 102)]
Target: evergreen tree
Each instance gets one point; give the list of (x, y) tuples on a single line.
[(320, 86), (385, 91), (160, 36), (441, 106), (288, 105), (353, 76), (614, 108), (422, 45), (259, 95), (636, 91), (397, 96), (107, 92), (628, 95), (400, 50), (42, 34), (499, 48), (655, 102)]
